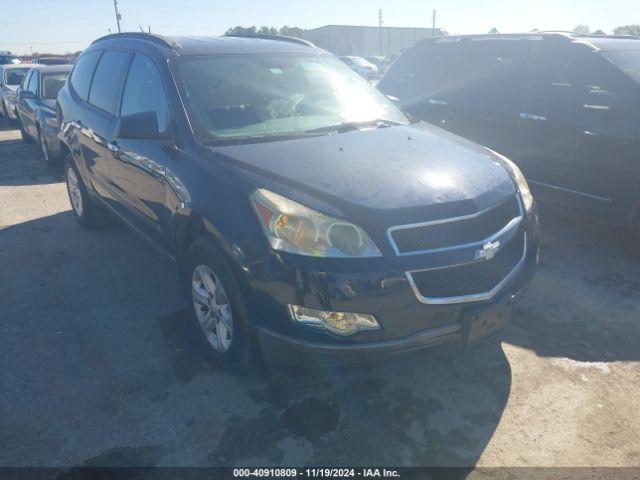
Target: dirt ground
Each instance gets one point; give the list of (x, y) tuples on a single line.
[(98, 364)]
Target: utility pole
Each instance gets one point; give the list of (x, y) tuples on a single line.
[(118, 16), (380, 30), (433, 22)]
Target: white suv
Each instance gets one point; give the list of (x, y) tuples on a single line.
[(11, 76)]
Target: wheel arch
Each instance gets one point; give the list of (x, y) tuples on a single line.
[(192, 226)]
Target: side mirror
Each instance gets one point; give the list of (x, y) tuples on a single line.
[(142, 125), (26, 94)]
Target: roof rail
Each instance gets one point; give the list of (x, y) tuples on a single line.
[(281, 38), (152, 37)]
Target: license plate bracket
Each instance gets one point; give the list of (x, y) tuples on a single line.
[(483, 321)]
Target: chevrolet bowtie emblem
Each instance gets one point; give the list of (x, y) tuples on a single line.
[(488, 251)]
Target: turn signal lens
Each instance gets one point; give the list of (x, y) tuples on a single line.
[(339, 323)]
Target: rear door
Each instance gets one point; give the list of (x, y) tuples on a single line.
[(138, 166), (97, 122)]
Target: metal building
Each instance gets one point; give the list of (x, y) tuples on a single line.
[(366, 41)]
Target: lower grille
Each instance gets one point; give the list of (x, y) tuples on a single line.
[(472, 281)]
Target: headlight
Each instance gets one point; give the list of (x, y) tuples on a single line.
[(523, 186), (294, 228)]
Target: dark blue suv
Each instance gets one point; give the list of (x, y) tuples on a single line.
[(307, 214)]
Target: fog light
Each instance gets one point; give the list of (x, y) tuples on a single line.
[(340, 323)]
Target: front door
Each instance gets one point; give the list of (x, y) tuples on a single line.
[(138, 167)]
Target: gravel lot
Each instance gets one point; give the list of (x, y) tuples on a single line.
[(98, 367)]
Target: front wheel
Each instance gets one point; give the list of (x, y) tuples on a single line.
[(218, 307), (25, 136), (84, 209)]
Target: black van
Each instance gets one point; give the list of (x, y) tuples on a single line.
[(564, 107)]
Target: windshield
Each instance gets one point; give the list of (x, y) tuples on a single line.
[(52, 83), (14, 76), (252, 96), (627, 61)]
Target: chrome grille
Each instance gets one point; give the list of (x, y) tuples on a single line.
[(455, 232), (474, 281)]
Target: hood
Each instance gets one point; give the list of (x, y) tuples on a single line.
[(415, 172)]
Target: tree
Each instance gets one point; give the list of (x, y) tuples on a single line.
[(239, 31), (292, 31), (628, 30), (599, 33), (493, 31), (582, 30)]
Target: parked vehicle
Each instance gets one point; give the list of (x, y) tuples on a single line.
[(304, 211), (382, 63), (363, 67), (36, 109), (8, 58), (565, 107), (11, 76), (52, 61)]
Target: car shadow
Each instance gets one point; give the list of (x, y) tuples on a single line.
[(21, 163)]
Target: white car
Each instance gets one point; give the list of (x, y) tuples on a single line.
[(11, 76), (362, 66)]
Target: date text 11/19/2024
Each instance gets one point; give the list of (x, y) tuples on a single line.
[(316, 472)]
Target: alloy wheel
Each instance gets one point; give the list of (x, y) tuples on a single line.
[(75, 194), (44, 147), (212, 308)]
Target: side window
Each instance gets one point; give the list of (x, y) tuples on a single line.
[(105, 88), (83, 73), (25, 81), (485, 77), (32, 86), (143, 91)]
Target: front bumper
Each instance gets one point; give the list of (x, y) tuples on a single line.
[(282, 349), (379, 288)]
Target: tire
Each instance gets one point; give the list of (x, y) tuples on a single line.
[(220, 318), (49, 159), (86, 212), (25, 137)]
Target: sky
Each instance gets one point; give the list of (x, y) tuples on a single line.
[(59, 26)]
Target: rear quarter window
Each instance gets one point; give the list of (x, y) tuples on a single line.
[(83, 73)]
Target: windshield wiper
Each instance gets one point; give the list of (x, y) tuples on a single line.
[(272, 137), (349, 126)]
